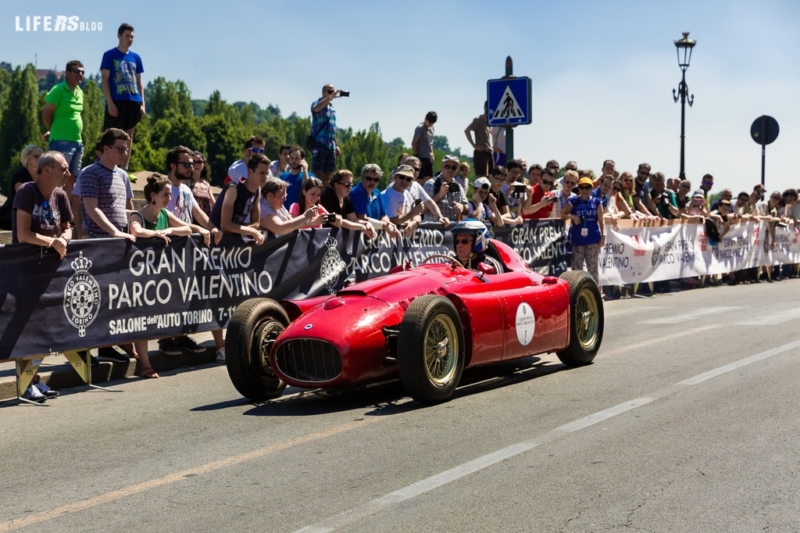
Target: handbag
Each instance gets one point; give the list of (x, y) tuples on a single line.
[(312, 139)]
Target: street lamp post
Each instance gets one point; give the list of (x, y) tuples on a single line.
[(684, 48)]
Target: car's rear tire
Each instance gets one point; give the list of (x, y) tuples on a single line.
[(586, 319), (430, 349), (252, 331)]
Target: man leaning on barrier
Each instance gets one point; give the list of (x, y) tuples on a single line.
[(41, 207), (368, 202)]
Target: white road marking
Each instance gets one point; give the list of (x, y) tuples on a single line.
[(772, 319), (609, 313), (390, 500), (690, 315), (739, 364)]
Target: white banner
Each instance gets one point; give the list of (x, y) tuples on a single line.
[(636, 254)]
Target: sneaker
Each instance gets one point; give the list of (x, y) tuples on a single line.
[(46, 390), (108, 353), (221, 356), (32, 393), (189, 344), (169, 347)]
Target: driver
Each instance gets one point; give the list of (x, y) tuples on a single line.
[(471, 239)]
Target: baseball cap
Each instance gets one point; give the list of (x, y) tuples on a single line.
[(699, 194), (759, 187), (451, 159), (585, 181), (481, 182)]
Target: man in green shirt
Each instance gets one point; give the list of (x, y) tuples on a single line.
[(62, 117)]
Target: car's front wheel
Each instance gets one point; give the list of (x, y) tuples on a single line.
[(252, 330), (586, 319), (430, 349)]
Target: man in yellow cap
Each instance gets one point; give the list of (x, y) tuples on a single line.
[(588, 229)]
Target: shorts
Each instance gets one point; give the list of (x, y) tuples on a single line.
[(129, 113), (484, 163), (72, 152), (324, 159), (426, 168)]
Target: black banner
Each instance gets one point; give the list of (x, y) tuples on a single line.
[(111, 291)]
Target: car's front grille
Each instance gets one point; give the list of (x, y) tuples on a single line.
[(309, 360)]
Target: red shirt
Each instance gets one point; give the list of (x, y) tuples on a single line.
[(537, 193)]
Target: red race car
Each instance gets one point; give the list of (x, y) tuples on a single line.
[(424, 324)]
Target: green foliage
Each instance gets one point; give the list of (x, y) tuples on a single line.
[(20, 122), (211, 126), (92, 117)]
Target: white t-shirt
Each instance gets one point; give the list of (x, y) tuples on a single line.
[(397, 203), (275, 171), (182, 203), (560, 205), (417, 193), (237, 171)]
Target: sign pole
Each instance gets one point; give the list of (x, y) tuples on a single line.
[(764, 151), (509, 130)]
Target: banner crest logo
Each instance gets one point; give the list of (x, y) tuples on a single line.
[(81, 296)]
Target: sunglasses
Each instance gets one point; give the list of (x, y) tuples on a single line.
[(552, 166), (585, 188), (570, 183), (626, 180), (371, 179), (708, 183), (547, 182), (78, 71), (409, 179), (463, 241), (330, 91), (257, 150), (186, 164), (199, 162), (685, 187), (451, 167), (345, 185)]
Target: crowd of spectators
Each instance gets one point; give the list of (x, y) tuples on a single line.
[(284, 195)]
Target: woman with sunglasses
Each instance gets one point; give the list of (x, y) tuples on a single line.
[(483, 206), (200, 187), (623, 201), (309, 197), (587, 229), (335, 198)]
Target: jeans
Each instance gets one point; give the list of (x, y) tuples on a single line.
[(73, 153)]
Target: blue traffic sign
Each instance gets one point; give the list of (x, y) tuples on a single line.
[(509, 101)]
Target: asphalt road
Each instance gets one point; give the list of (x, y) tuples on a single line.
[(687, 421)]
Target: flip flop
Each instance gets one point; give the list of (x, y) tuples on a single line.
[(148, 373)]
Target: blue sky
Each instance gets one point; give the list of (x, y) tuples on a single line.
[(603, 72)]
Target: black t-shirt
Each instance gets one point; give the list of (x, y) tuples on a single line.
[(21, 176), (330, 202), (501, 199), (242, 206)]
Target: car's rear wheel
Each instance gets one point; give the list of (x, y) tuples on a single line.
[(430, 349), (252, 331), (586, 319)]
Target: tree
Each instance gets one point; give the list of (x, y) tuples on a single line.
[(185, 132), (223, 145), (168, 99), (20, 121), (92, 117)]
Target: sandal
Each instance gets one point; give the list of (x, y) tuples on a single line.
[(148, 373)]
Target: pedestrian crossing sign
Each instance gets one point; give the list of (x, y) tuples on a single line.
[(509, 101)]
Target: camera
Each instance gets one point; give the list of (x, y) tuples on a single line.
[(552, 199), (417, 202), (344, 93), (519, 190), (330, 218)]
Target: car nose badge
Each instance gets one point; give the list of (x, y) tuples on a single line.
[(308, 326)]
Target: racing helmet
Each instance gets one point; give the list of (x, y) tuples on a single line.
[(477, 229)]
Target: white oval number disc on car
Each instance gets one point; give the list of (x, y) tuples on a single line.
[(526, 324)]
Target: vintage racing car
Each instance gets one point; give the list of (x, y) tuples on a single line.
[(424, 324)]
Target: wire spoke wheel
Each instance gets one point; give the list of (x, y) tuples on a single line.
[(266, 333), (587, 319), (441, 350)]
